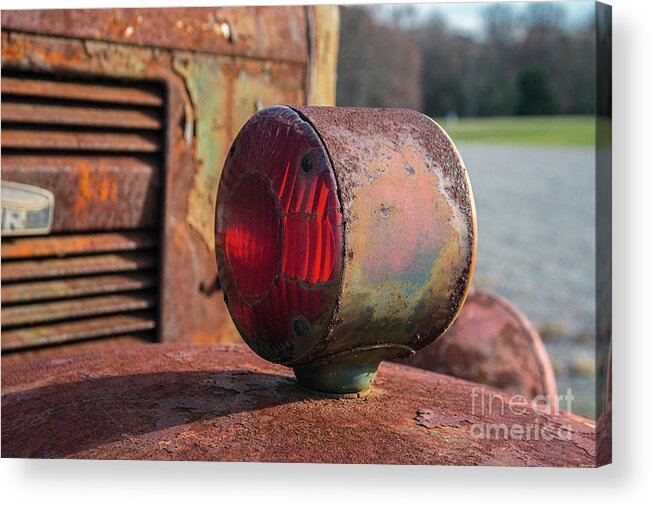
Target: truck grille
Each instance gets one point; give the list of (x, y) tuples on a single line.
[(98, 146)]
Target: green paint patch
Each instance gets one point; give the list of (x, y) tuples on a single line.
[(203, 78), (538, 130)]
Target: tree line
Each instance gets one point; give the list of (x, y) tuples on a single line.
[(520, 64)]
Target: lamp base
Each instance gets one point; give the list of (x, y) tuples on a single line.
[(337, 379)]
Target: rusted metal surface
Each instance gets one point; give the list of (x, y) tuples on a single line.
[(24, 270), (410, 226), (89, 92), (492, 343), (76, 308), (222, 403), (76, 330), (208, 95), (76, 287), (278, 33), (24, 112), (52, 129), (60, 246), (18, 357), (91, 194), (83, 141)]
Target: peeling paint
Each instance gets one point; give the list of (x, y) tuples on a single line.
[(225, 92)]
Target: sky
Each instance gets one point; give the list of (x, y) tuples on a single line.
[(466, 18)]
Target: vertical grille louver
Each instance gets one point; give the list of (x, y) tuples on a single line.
[(97, 145)]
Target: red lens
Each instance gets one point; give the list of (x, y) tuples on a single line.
[(253, 248), (278, 235)]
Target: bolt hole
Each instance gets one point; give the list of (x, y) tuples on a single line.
[(307, 163), (301, 326)]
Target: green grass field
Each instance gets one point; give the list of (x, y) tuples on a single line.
[(539, 130)]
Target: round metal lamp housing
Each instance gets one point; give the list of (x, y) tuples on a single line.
[(344, 237)]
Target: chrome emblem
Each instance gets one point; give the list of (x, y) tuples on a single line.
[(26, 209)]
